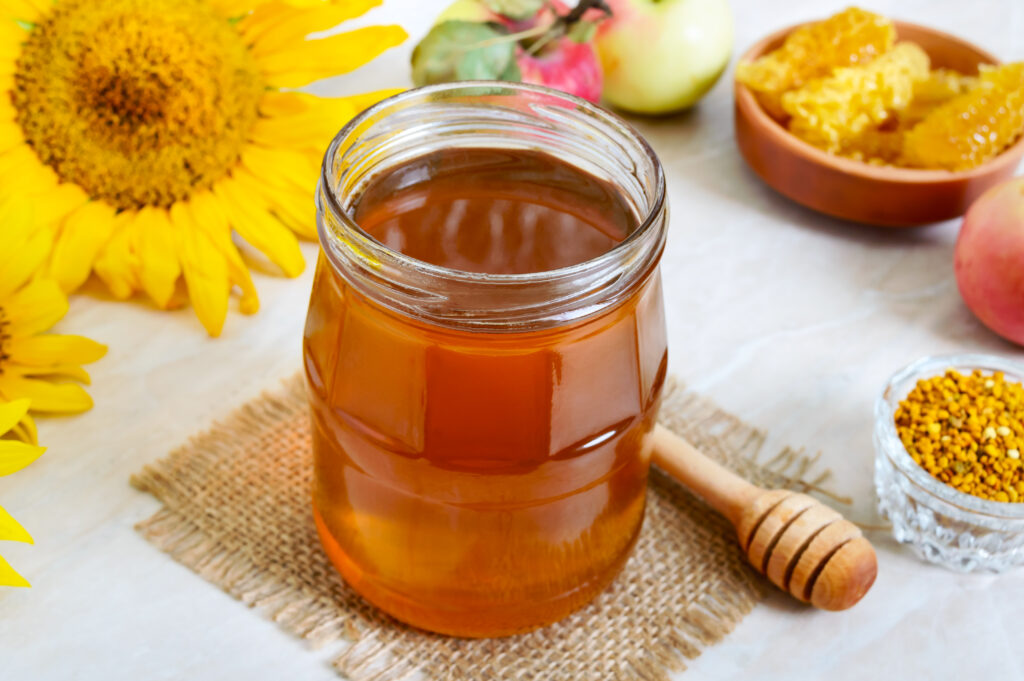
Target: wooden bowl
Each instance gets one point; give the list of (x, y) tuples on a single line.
[(844, 188)]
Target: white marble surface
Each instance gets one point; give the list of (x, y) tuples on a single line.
[(787, 318)]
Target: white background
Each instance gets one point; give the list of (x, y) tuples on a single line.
[(789, 319)]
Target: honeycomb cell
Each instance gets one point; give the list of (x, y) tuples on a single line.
[(939, 87), (831, 112), (854, 36), (973, 127)]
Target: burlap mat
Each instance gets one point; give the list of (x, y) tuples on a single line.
[(236, 510)]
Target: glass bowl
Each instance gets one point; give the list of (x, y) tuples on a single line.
[(940, 523)]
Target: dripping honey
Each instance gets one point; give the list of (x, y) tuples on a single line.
[(482, 483)]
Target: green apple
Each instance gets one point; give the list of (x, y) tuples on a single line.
[(466, 10), (660, 56)]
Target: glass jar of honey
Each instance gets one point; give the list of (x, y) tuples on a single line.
[(485, 353)]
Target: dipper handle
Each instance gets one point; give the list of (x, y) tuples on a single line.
[(804, 547)]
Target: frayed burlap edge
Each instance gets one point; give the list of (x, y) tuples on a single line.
[(369, 657)]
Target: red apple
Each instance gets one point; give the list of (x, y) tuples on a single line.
[(566, 65), (989, 259), (472, 39)]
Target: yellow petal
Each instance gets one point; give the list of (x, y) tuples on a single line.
[(8, 577), (11, 413), (311, 128), (59, 202), (209, 214), (304, 61), (23, 172), (294, 25), (16, 455), (10, 135), (368, 99), (25, 430), (27, 258), (294, 208), (20, 9), (62, 370), (63, 398), (35, 308), (11, 529), (235, 8), (261, 229), (25, 245), (205, 270), (117, 264), (83, 234), (53, 349), (282, 168), (159, 265)]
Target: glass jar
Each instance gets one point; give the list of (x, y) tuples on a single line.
[(481, 441)]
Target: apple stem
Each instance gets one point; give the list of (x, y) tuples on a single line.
[(577, 12), (556, 29), (561, 25)]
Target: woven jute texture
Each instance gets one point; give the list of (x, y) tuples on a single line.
[(236, 510)]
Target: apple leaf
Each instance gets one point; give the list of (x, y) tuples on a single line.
[(515, 9), (463, 50), (512, 72)]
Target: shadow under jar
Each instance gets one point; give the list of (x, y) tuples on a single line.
[(485, 353)]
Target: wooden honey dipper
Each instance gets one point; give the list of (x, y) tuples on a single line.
[(804, 547)]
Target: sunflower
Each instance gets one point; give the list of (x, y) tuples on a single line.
[(15, 455), (141, 136), (33, 364)]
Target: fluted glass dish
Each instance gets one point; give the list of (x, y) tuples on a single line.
[(940, 523)]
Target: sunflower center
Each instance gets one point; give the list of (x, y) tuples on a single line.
[(139, 102)]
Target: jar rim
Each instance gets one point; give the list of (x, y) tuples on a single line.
[(650, 221)]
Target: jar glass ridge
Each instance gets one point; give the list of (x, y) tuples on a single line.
[(480, 440)]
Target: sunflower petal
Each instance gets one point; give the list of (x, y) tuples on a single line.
[(312, 127), (208, 212), (84, 233), (63, 199), (54, 349), (205, 270), (8, 577), (16, 455), (35, 308), (261, 229), (23, 172), (116, 263), (11, 413), (235, 8), (20, 9), (294, 208), (159, 267), (11, 529), (294, 25), (305, 61), (62, 398), (25, 245), (72, 371), (10, 135), (281, 167), (25, 430)]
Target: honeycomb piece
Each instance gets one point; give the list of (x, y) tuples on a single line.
[(875, 146), (941, 86), (829, 112), (973, 127), (854, 36)]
